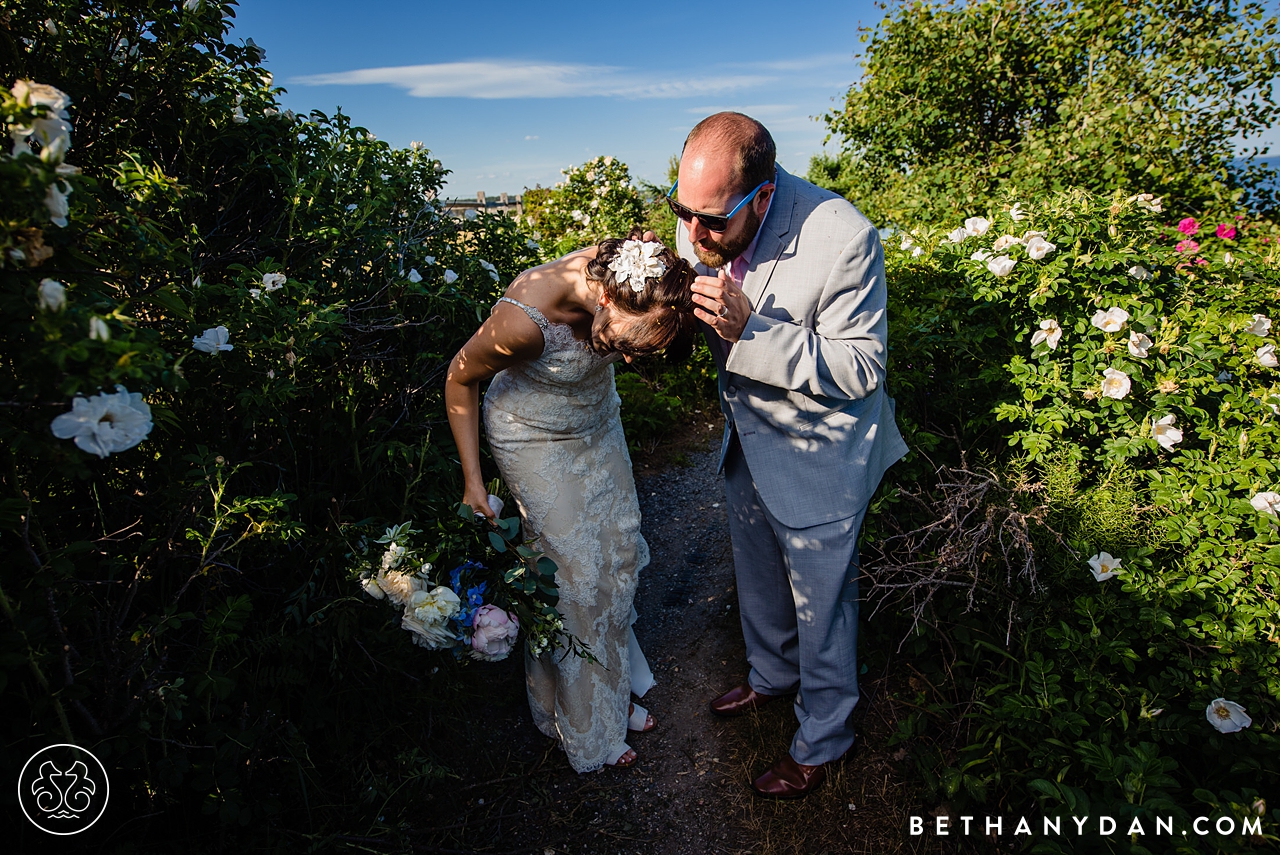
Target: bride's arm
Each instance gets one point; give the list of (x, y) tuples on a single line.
[(508, 337)]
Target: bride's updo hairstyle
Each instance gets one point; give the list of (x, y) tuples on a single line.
[(660, 313)]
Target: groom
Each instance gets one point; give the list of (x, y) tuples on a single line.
[(792, 296)]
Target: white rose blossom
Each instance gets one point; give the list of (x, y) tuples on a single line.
[(1112, 320), (1103, 566), (399, 587), (212, 340), (980, 255), (492, 271), (55, 200), (1259, 326), (1115, 384), (1226, 716), (1266, 356), (1266, 503), (450, 277), (98, 329), (273, 281), (1001, 265), (1004, 242), (52, 295), (1139, 344), (956, 235), (1140, 273), (414, 276), (1038, 248), (1016, 213), (372, 588), (429, 260), (1165, 434), (977, 226), (1050, 333), (106, 423)]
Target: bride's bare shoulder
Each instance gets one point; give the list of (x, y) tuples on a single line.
[(549, 282)]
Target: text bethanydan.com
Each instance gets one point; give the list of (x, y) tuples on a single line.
[(1104, 826)]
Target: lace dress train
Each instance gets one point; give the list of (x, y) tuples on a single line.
[(554, 428)]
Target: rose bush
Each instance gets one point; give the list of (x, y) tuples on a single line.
[(1120, 390)]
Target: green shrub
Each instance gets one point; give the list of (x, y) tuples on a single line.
[(1091, 696)]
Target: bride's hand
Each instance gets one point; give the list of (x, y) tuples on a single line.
[(478, 498)]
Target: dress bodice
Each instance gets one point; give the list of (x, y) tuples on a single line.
[(567, 389)]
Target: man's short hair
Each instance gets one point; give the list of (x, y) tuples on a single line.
[(736, 134)]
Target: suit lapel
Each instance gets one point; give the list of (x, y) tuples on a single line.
[(772, 239)]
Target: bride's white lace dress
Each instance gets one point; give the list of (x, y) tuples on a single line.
[(554, 428)]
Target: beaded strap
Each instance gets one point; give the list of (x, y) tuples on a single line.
[(532, 311)]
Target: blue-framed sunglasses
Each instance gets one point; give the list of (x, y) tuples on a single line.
[(711, 222)]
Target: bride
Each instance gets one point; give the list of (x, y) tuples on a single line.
[(551, 417)]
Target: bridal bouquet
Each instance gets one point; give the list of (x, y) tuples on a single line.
[(473, 610)]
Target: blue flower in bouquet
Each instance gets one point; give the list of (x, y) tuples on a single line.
[(472, 596)]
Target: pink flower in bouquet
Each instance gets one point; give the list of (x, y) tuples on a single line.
[(1187, 246), (1226, 232), (1189, 226), (493, 633)]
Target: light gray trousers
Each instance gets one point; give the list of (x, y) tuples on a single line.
[(798, 595)]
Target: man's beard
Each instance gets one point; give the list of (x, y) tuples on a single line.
[(720, 254)]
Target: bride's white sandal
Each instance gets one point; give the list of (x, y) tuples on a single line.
[(623, 751), (640, 720)]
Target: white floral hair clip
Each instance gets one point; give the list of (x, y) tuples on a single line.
[(637, 262)]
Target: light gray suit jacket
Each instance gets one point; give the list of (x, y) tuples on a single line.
[(804, 385)]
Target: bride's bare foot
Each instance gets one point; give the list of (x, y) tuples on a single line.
[(634, 723)]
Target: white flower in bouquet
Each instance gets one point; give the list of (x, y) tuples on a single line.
[(490, 269), (1139, 344), (98, 329), (372, 588), (105, 423), (1266, 356), (1103, 566), (432, 636), (1259, 326), (1266, 503), (1115, 384), (450, 277), (1165, 434), (1004, 242), (52, 295), (1226, 716), (399, 587), (1038, 248), (976, 226), (1001, 265), (1140, 273), (1050, 333), (414, 276), (434, 607), (1112, 320), (493, 633), (956, 235), (212, 340), (393, 557)]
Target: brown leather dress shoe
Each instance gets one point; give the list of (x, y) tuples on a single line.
[(788, 779), (738, 700)]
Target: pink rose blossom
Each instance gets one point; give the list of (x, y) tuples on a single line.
[(1187, 246), (1189, 226), (1226, 232), (493, 632)]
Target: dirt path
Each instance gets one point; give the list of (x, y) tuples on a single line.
[(690, 792)]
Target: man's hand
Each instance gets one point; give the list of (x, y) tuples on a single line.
[(721, 305)]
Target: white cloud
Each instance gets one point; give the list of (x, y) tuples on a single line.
[(531, 137), (512, 79)]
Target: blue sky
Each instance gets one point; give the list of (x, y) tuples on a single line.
[(507, 94)]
